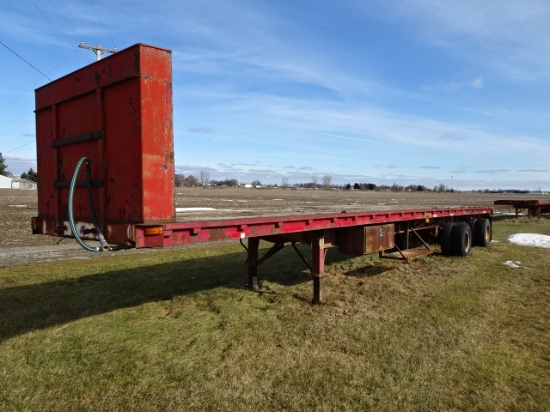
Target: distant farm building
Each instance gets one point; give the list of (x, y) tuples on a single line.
[(15, 182)]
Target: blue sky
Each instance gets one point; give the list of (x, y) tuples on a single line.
[(405, 91)]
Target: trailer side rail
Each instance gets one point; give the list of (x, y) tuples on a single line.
[(179, 233)]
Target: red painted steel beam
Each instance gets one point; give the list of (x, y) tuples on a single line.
[(534, 206), (178, 233), (523, 203)]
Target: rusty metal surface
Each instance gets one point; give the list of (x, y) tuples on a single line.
[(197, 231), (363, 240), (118, 113)]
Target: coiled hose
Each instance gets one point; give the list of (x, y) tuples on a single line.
[(103, 243)]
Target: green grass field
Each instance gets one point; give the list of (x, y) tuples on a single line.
[(178, 330)]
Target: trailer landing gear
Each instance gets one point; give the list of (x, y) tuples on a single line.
[(317, 266)]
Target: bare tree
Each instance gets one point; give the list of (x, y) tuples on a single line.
[(314, 181), (179, 180), (327, 182), (204, 178), (191, 181), (284, 182)]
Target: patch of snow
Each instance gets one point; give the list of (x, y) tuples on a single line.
[(530, 239), (193, 209), (513, 264), (511, 214)]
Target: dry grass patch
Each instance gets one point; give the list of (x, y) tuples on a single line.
[(177, 330)]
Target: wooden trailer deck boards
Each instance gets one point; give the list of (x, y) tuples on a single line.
[(115, 118)]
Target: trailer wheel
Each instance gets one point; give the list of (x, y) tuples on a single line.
[(461, 239), (445, 239), (483, 233), (473, 228)]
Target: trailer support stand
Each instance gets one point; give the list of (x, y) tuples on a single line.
[(318, 268), (253, 247)]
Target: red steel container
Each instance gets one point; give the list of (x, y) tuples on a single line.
[(118, 113)]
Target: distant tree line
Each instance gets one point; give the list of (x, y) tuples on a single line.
[(30, 175), (185, 181), (397, 188), (193, 181), (503, 191), (324, 183)]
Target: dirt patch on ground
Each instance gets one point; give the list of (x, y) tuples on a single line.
[(17, 207)]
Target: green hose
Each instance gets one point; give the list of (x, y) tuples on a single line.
[(104, 245)]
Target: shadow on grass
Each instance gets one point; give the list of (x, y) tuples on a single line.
[(367, 271), (32, 307)]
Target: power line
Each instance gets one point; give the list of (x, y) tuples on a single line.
[(46, 17), (7, 127), (19, 147), (3, 44), (69, 25), (101, 21)]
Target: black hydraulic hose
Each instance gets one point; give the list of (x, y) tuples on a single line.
[(104, 245)]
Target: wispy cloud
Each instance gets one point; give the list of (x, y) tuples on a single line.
[(534, 171), (476, 83), (200, 130), (493, 172), (507, 36)]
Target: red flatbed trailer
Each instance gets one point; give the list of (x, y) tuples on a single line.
[(534, 207), (115, 116)]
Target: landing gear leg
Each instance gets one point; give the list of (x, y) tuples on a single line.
[(253, 247), (319, 253)]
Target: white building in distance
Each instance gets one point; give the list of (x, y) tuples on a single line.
[(15, 182), (5, 182)]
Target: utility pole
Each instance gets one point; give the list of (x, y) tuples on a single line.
[(98, 50)]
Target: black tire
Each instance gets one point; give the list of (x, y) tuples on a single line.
[(483, 233), (461, 239), (473, 228), (445, 239)]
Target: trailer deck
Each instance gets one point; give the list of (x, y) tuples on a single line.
[(534, 207), (204, 229)]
